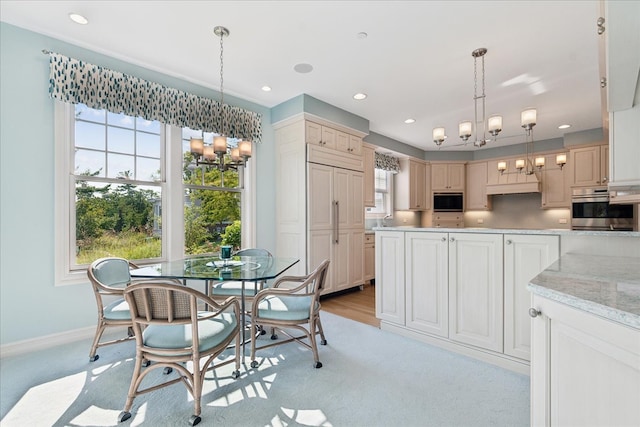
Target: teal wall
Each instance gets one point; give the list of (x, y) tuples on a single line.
[(30, 304)]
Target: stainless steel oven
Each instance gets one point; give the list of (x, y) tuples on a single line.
[(591, 210)]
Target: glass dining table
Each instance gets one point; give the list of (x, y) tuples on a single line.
[(210, 268)]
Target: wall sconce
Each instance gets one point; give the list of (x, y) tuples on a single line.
[(539, 162), (502, 166), (520, 165), (561, 160), (439, 136)]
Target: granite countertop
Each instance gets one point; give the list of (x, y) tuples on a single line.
[(605, 286), (552, 231)]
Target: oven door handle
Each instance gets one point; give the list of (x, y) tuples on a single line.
[(590, 200)]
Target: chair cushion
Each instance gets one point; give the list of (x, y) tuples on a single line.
[(235, 289), (113, 272), (117, 310), (211, 333), (284, 307)]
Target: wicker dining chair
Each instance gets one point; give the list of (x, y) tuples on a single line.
[(220, 291), (293, 302), (108, 277), (172, 329)]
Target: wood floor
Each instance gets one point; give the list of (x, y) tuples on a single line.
[(356, 304)]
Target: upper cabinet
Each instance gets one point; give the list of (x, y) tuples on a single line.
[(590, 165), (619, 29), (411, 186), (447, 176), (368, 156), (476, 198), (349, 143), (555, 184)]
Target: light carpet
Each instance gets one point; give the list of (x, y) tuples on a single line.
[(369, 378)]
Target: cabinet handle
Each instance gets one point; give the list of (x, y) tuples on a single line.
[(444, 239), (604, 179), (337, 221), (534, 313), (508, 242), (452, 239)]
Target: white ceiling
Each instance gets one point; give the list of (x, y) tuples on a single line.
[(416, 61)]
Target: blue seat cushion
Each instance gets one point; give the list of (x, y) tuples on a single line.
[(235, 289), (114, 272), (117, 310), (284, 307), (211, 333)]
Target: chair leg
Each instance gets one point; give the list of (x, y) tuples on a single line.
[(314, 346), (254, 364), (133, 388), (323, 340), (96, 340), (236, 373)]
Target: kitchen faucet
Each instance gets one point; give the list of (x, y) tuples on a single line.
[(384, 220)]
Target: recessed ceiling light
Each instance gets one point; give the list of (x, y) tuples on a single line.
[(564, 126), (266, 88), (78, 19), (409, 121), (303, 68), (362, 35), (359, 96)]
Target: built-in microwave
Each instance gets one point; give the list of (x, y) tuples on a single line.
[(447, 202), (591, 210)]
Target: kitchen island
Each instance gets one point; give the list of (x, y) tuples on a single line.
[(585, 361), (466, 289)]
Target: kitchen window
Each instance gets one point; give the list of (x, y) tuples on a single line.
[(383, 195)]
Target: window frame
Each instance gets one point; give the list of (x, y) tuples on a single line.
[(172, 197), (374, 213)]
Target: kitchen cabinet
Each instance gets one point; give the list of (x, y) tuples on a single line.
[(447, 176), (369, 257), (476, 198), (390, 271), (525, 256), (349, 143), (368, 157), (585, 370), (319, 205), (447, 220), (426, 282), (555, 184), (476, 290), (410, 186), (589, 165), (317, 134)]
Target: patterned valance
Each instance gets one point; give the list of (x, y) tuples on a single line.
[(388, 163), (76, 81)]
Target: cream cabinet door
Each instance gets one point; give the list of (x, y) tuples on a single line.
[(585, 370), (586, 164), (476, 195), (426, 282), (390, 295), (417, 195), (342, 141), (329, 137), (475, 289), (456, 176), (369, 197), (341, 195), (322, 209), (313, 133), (355, 201), (355, 145), (321, 247), (525, 256), (356, 258), (439, 178)]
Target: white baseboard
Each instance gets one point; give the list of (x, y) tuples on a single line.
[(48, 341), (507, 362)]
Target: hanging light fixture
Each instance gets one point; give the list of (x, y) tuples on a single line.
[(218, 153), (528, 120)]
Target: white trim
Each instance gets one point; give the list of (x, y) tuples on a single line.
[(249, 210), (48, 341)]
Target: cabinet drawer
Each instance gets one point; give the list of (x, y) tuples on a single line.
[(369, 238), (448, 224), (451, 217)]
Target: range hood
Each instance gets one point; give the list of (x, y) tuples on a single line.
[(515, 183)]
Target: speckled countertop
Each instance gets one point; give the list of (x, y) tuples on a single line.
[(553, 231), (605, 286)]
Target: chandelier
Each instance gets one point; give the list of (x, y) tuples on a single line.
[(218, 153), (493, 125)]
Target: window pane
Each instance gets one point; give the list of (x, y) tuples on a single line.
[(120, 166), (148, 144), (147, 169), (117, 220), (89, 163), (120, 120), (90, 135), (89, 114), (211, 218), (148, 125), (120, 140)]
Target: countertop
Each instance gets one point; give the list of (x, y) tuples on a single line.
[(552, 231), (608, 287)]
